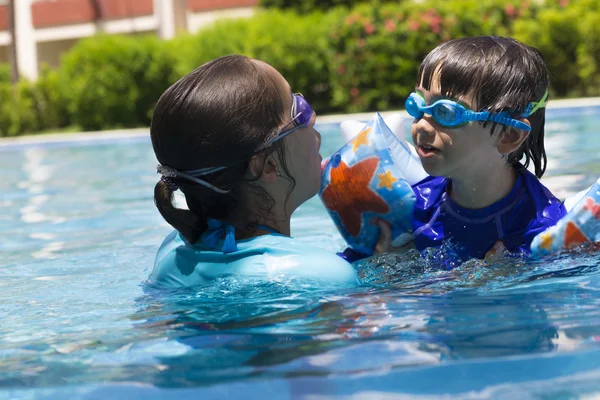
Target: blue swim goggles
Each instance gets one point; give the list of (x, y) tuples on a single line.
[(451, 114), (301, 114)]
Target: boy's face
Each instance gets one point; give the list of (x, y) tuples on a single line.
[(454, 153)]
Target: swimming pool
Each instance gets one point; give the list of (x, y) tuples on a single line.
[(79, 233)]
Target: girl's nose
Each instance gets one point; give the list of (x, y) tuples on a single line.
[(313, 118), (318, 138)]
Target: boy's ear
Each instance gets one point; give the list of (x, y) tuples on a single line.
[(512, 138), (264, 168)]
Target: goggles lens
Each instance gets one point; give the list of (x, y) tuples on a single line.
[(445, 112), (302, 112)]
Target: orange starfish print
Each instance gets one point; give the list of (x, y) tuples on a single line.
[(349, 195), (593, 207), (573, 236)]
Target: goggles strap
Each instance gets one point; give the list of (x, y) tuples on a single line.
[(536, 105), (171, 173), (478, 116)]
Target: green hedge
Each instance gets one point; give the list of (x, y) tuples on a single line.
[(569, 38), (362, 59), (298, 46), (377, 50), (115, 81), (305, 6), (5, 73), (32, 107)]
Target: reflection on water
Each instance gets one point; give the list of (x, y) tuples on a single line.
[(80, 231)]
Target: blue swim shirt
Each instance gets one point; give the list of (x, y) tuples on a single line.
[(515, 220), (270, 257)]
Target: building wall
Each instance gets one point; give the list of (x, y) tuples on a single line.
[(63, 12), (4, 54), (3, 17), (199, 20), (51, 52), (59, 24), (211, 5)]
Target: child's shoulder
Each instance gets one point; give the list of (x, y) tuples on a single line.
[(431, 181), (293, 257), (430, 191), (547, 205), (547, 209), (180, 264)]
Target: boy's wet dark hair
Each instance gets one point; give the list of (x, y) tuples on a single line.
[(503, 74), (217, 115)]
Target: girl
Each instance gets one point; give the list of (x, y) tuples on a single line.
[(224, 135), (479, 111)]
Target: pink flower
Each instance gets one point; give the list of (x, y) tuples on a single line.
[(369, 28), (341, 70), (510, 10), (354, 92), (390, 25), (430, 12), (413, 25), (351, 19), (564, 3)]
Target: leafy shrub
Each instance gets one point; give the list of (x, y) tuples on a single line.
[(361, 59), (557, 39), (115, 81), (378, 50), (588, 55), (305, 6), (10, 111), (568, 35), (45, 100), (297, 46), (5, 73), (30, 107)]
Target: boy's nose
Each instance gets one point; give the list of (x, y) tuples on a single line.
[(425, 125)]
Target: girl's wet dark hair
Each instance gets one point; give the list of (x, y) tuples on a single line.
[(503, 74), (218, 115)]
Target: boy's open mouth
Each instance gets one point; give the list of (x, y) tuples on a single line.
[(425, 149)]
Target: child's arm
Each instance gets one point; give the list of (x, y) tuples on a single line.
[(495, 253), (384, 244)]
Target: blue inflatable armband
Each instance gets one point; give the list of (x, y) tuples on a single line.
[(581, 225), (364, 179)]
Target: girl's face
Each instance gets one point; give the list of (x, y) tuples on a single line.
[(453, 153), (302, 151)]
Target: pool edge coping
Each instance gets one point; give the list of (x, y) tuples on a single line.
[(116, 134)]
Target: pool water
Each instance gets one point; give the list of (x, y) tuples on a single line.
[(79, 233)]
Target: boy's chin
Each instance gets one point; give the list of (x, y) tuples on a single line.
[(432, 169)]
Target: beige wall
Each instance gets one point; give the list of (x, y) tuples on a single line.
[(50, 52), (46, 45), (4, 54), (197, 21)]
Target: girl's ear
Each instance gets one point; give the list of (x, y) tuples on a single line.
[(512, 138), (264, 169)]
